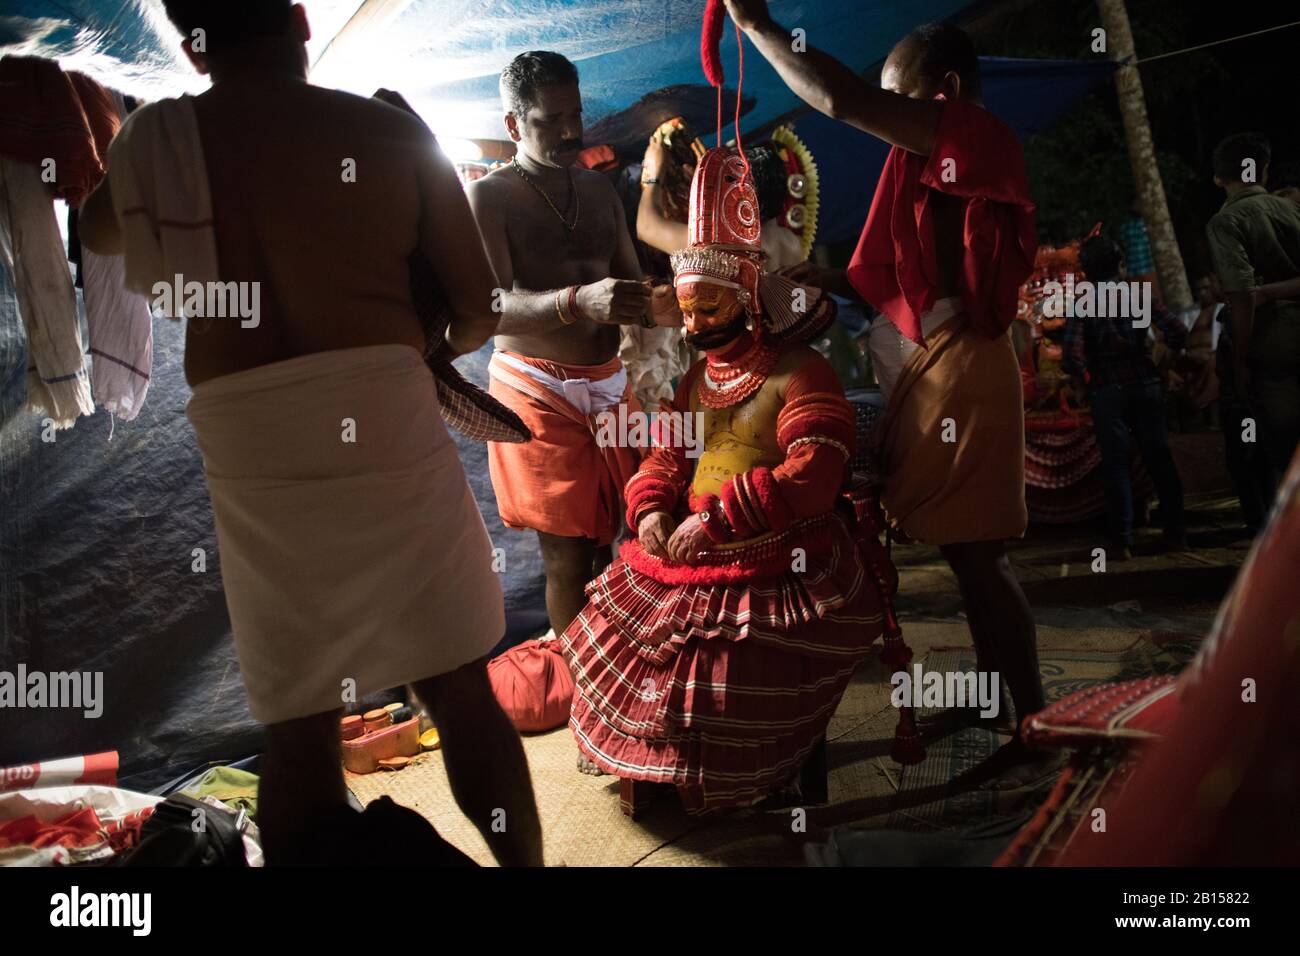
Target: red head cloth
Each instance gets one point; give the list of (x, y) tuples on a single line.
[(976, 159)]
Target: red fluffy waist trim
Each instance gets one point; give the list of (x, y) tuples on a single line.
[(768, 558), (831, 584)]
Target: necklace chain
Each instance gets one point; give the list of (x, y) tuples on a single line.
[(574, 197)]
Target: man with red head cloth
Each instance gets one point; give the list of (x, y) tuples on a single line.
[(946, 245), (713, 653)]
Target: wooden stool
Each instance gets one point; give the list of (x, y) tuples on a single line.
[(635, 796)]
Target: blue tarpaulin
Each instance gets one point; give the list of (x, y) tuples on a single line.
[(97, 535)]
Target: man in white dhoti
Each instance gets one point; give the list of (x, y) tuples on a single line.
[(352, 552)]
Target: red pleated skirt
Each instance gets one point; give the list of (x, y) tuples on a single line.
[(719, 688)]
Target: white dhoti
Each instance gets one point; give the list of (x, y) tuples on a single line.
[(890, 349), (348, 564)]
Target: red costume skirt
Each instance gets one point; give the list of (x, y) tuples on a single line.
[(714, 677)]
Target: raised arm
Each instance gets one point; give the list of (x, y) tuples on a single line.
[(830, 87), (652, 226), (449, 239)]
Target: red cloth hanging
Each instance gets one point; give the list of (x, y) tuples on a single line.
[(976, 157)]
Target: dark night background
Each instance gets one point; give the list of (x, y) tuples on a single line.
[(1079, 168)]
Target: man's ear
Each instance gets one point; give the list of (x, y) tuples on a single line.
[(198, 60), (951, 85), (298, 23), (1219, 182), (512, 127)]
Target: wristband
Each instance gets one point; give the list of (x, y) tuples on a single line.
[(564, 317), (573, 304), (714, 520)]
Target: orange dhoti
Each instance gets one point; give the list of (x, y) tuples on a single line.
[(952, 444), (562, 482)]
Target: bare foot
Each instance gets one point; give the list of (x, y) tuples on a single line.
[(1013, 766), (960, 718), (586, 766)]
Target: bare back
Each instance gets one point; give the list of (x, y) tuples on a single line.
[(544, 254), (330, 255)]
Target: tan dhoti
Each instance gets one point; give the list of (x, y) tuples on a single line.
[(952, 443), (353, 554)]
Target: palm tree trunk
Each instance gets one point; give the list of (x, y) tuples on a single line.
[(1142, 156)]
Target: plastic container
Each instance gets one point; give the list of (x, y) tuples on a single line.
[(399, 740), (376, 720)]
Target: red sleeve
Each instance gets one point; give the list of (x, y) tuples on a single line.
[(815, 429), (665, 471)]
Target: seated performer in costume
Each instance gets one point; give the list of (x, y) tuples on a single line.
[(785, 178), (947, 243), (713, 653)]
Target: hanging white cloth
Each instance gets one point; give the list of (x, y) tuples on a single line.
[(31, 248), (120, 326)]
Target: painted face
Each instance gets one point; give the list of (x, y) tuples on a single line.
[(707, 307)]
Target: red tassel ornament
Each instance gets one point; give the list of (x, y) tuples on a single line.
[(711, 41)]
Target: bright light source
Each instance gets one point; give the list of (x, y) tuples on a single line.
[(460, 150)]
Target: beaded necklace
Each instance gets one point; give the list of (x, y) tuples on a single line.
[(726, 382)]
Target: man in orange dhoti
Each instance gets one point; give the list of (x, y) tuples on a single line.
[(569, 276), (947, 243)]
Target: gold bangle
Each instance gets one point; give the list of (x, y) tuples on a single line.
[(559, 311)]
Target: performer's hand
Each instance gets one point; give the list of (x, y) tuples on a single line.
[(664, 308), (615, 301), (748, 13), (689, 538), (653, 531)]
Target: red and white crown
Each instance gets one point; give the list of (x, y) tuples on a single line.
[(723, 227)]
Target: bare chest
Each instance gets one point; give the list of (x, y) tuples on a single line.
[(559, 236)]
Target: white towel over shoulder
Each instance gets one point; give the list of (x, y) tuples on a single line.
[(160, 193)]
